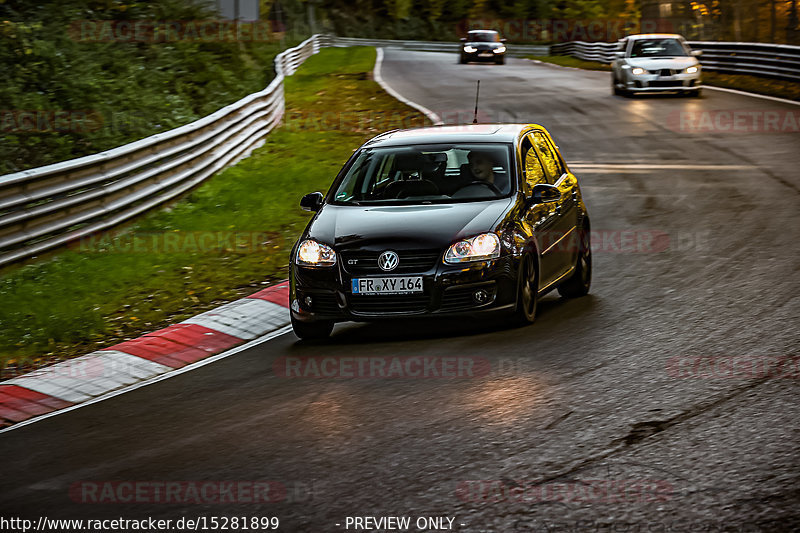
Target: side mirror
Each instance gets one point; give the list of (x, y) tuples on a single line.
[(544, 193), (311, 202), (503, 40), (463, 39), (619, 55), (697, 53)]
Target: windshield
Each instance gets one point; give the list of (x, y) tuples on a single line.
[(427, 174), (483, 37), (657, 48)]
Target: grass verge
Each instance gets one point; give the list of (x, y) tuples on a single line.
[(219, 243), (742, 82)]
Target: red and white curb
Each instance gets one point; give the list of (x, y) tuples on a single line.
[(85, 378)]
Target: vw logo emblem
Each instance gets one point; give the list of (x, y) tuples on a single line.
[(388, 260)]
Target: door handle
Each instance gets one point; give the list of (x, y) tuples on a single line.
[(558, 209), (574, 194)]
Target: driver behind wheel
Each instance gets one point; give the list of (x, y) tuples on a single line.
[(481, 165)]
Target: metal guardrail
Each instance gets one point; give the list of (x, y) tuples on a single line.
[(50, 206), (600, 52), (514, 50), (778, 61)]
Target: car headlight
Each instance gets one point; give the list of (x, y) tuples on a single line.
[(637, 71), (691, 70), (313, 253), (470, 49), (479, 248), (499, 49)]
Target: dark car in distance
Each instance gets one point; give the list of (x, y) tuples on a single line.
[(483, 45), (440, 221)]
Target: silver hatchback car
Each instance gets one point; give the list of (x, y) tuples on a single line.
[(655, 62)]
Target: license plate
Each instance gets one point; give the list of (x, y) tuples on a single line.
[(399, 285), (666, 78), (486, 54)]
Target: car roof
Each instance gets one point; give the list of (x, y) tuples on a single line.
[(655, 36), (463, 133), (482, 31)]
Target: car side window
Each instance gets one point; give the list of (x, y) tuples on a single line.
[(532, 167), (550, 159), (384, 172)]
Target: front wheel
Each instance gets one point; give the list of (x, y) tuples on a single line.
[(312, 330), (500, 60), (614, 87), (580, 281), (528, 293)]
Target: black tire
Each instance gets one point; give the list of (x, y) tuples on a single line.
[(616, 90), (500, 60), (696, 93), (312, 330), (462, 60), (527, 293), (579, 283)]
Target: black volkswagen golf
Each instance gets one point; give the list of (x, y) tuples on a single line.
[(441, 221), (482, 45)]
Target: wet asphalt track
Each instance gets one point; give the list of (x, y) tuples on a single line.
[(584, 394)]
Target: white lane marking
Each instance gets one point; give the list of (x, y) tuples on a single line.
[(753, 95), (645, 166), (376, 75), (156, 379)]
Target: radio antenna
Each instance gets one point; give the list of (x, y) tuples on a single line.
[(477, 94)]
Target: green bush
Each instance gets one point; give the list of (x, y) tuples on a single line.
[(126, 91)]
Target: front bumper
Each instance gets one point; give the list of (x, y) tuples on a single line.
[(447, 290), (657, 83), (482, 55)]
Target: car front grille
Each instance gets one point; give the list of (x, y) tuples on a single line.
[(389, 303), (666, 72), (411, 261)]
